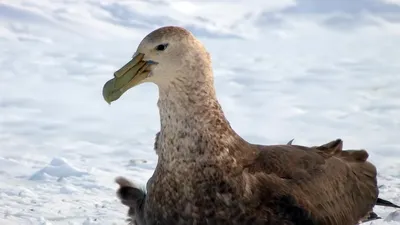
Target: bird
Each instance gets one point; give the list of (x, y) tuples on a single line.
[(335, 144), (208, 174)]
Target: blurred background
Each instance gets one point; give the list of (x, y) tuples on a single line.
[(312, 70)]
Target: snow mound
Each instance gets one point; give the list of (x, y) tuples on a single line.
[(393, 216), (59, 168)]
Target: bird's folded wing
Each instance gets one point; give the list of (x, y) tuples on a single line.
[(333, 185)]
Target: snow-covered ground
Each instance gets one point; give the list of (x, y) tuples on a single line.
[(306, 69)]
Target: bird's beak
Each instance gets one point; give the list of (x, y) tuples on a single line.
[(130, 75)]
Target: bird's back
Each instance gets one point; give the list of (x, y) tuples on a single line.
[(334, 186)]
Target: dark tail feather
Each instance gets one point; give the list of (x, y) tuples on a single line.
[(371, 216), (386, 203)]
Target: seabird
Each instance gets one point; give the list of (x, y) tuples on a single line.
[(207, 174)]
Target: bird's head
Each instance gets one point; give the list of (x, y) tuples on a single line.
[(163, 56)]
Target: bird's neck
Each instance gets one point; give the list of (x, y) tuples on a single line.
[(193, 125)]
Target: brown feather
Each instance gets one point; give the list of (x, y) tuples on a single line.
[(320, 178), (337, 146)]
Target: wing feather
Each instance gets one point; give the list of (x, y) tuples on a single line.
[(335, 186)]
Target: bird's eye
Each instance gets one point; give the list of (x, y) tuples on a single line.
[(161, 47)]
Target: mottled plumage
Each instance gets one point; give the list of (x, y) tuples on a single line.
[(207, 174)]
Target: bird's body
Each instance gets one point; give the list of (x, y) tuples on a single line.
[(264, 185), (207, 174)]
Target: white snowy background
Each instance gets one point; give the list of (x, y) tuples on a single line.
[(311, 70)]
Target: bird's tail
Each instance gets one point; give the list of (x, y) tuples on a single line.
[(386, 203)]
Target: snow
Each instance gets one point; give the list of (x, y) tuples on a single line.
[(58, 167), (284, 69)]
